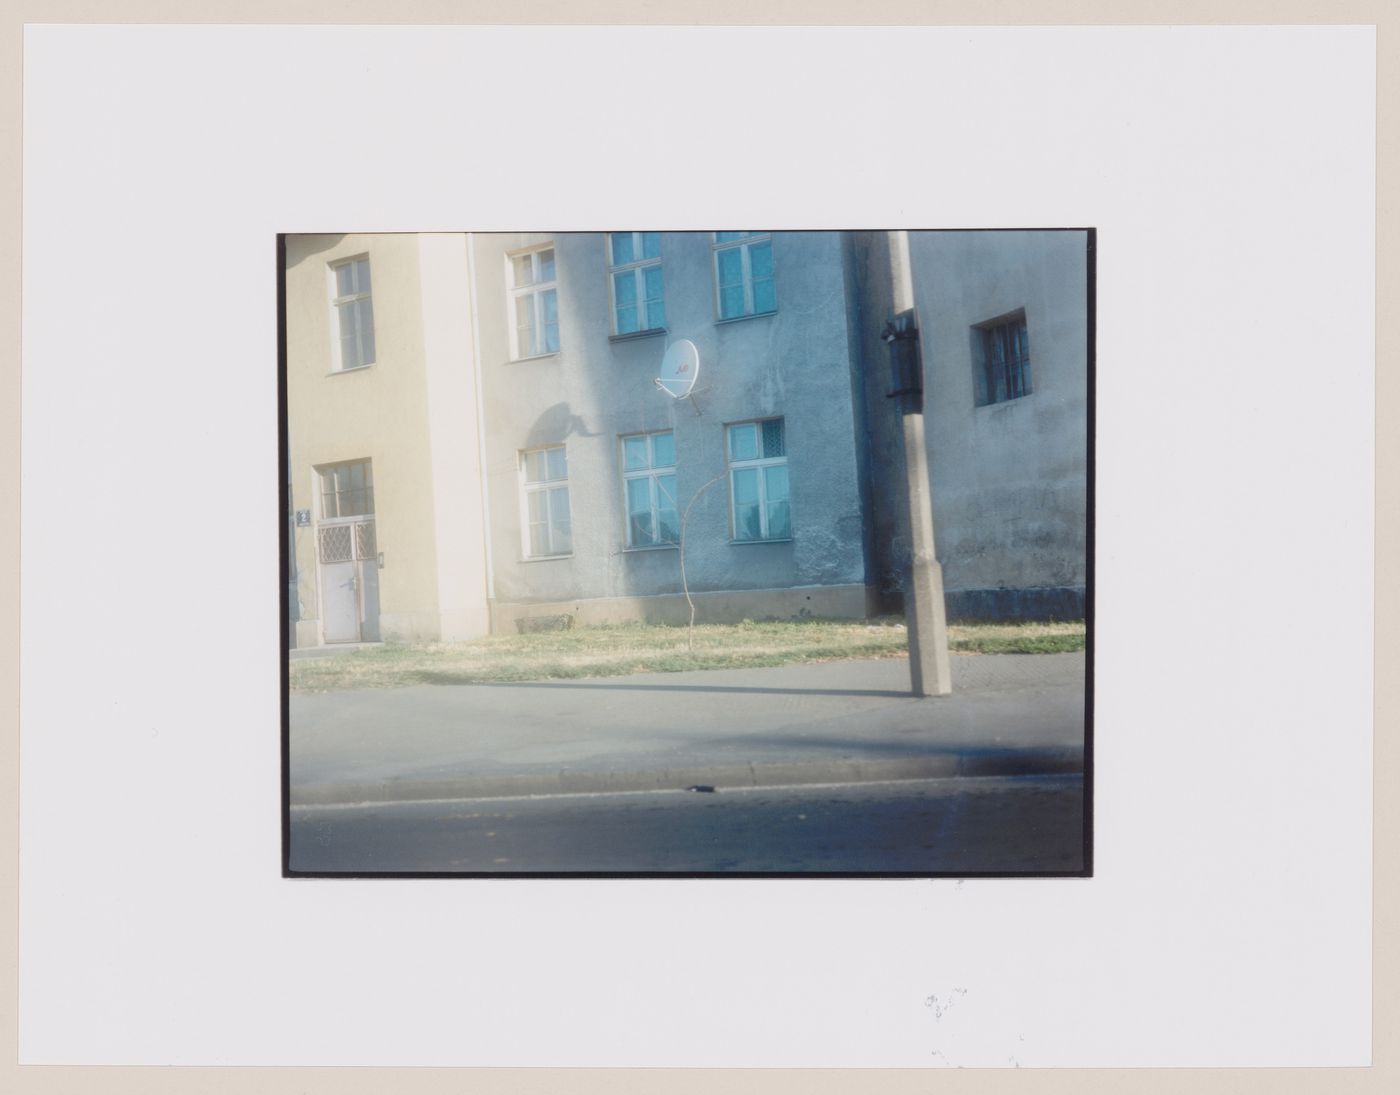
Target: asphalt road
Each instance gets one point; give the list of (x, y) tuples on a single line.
[(939, 826)]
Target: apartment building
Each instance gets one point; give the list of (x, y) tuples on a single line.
[(476, 440)]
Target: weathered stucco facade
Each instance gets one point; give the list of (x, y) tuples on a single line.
[(465, 399), (1009, 478)]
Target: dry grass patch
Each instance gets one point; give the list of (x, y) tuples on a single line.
[(640, 648)]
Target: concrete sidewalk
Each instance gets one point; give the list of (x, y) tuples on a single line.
[(834, 722)]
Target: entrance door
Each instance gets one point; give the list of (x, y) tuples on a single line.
[(349, 582)]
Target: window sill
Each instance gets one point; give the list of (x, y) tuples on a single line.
[(1004, 402), (774, 540), (352, 369), (649, 547), (535, 357), (740, 319), (632, 336), (546, 558)]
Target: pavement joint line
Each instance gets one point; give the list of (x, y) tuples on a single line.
[(305, 807)]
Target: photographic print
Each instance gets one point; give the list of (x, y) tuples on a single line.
[(732, 553)]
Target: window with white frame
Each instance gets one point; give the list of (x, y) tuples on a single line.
[(744, 274), (354, 313), (534, 303), (758, 480), (347, 490), (634, 278), (649, 487), (548, 528)]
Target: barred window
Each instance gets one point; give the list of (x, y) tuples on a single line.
[(1004, 365)]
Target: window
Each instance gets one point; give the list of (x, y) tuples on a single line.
[(758, 481), (548, 527), (347, 490), (744, 274), (1005, 367), (535, 303), (634, 274), (649, 485), (354, 313)]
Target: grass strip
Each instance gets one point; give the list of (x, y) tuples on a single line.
[(643, 648)]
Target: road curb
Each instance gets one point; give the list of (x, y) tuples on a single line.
[(940, 765)]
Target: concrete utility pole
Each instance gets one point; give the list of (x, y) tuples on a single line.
[(925, 613)]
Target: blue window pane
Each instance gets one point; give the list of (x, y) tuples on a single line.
[(761, 260), (743, 442), (551, 306), (652, 276), (638, 496), (765, 299), (651, 245), (522, 270), (634, 453), (563, 539), (779, 521), (547, 265), (731, 302), (731, 267), (621, 248), (775, 483), (558, 465), (627, 321), (362, 276), (344, 279), (668, 529), (746, 522), (538, 511), (551, 339), (773, 437), (663, 450), (666, 491), (625, 289), (639, 530), (745, 486), (656, 315), (346, 314)]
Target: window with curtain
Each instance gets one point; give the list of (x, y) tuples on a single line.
[(758, 480)]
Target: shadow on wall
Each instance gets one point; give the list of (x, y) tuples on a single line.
[(555, 424)]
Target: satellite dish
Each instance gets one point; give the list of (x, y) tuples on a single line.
[(680, 368)]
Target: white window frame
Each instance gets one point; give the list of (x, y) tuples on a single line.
[(760, 463), (332, 471), (743, 244), (638, 268), (650, 472), (544, 486), (338, 301), (536, 291)]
